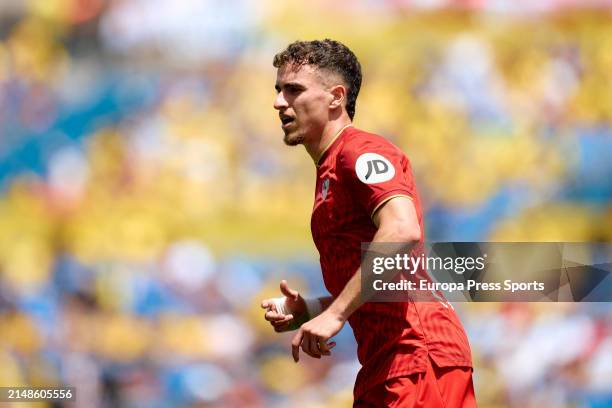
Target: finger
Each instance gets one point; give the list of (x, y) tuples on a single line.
[(285, 290), (272, 316), (326, 347), (280, 322), (309, 345), (277, 317), (279, 328), (314, 347), (268, 304), (295, 345), (323, 348)]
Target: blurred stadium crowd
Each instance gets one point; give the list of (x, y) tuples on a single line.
[(147, 202)]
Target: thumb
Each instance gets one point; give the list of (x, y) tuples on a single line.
[(285, 290)]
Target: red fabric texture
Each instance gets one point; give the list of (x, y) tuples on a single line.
[(394, 338), (448, 387)]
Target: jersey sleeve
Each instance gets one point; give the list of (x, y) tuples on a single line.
[(376, 171)]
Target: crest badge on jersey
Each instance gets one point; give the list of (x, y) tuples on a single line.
[(373, 168), (325, 188)]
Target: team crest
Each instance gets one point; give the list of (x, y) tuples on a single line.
[(325, 188)]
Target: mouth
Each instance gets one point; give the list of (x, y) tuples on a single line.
[(286, 120)]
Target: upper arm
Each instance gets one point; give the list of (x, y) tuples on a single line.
[(375, 171), (398, 217)]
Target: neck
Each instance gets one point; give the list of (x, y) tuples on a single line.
[(331, 131)]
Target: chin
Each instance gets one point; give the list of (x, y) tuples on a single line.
[(293, 140)]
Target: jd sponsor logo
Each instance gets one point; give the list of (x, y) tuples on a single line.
[(372, 168)]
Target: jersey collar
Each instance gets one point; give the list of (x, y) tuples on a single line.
[(336, 136)]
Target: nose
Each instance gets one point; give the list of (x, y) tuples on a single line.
[(280, 102)]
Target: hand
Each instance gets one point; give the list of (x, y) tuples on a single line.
[(294, 304), (313, 336)]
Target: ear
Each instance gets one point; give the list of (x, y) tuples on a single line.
[(338, 93)]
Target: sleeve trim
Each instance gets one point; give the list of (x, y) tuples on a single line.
[(387, 198)]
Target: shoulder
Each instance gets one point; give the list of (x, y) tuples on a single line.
[(357, 138), (358, 143)]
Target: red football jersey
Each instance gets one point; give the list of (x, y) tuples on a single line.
[(358, 173)]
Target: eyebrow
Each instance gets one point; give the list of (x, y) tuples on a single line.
[(295, 85)]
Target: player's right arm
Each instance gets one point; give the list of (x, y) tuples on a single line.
[(292, 310)]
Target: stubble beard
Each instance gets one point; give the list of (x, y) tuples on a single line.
[(293, 140)]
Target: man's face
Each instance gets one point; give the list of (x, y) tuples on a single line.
[(302, 102)]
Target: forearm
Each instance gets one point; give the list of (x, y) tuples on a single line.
[(348, 296), (351, 297)]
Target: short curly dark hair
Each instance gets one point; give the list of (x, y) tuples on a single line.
[(328, 55)]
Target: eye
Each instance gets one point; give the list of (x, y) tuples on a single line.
[(293, 90)]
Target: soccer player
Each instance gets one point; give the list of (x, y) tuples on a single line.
[(413, 354)]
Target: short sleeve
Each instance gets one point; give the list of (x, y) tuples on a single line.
[(375, 171)]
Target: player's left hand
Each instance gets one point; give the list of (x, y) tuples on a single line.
[(314, 336)]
